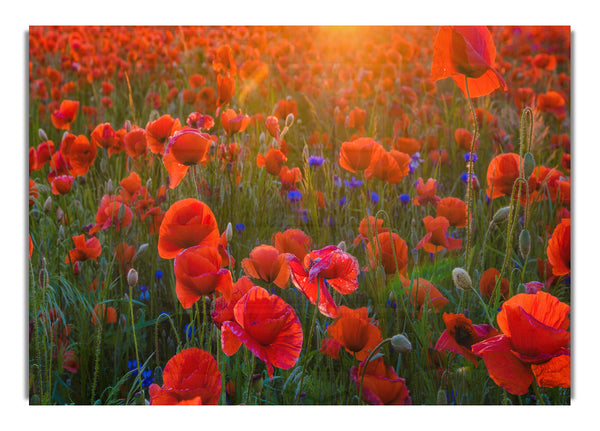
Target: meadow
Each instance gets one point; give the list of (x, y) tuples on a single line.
[(299, 215)]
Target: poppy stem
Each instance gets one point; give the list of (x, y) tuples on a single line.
[(137, 356), (538, 395), (362, 375), (470, 174), (308, 340), (250, 374)]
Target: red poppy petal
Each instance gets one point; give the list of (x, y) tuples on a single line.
[(555, 372), (230, 342)]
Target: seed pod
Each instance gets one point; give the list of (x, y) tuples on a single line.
[(342, 245), (42, 135), (141, 250), (229, 232), (442, 399), (289, 120), (48, 204), (109, 186), (528, 165), (401, 344), (521, 288), (461, 279), (501, 215), (524, 243), (132, 277)]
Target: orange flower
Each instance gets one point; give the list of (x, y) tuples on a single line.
[(407, 145), (43, 154), (190, 377), (426, 192), (112, 212), (368, 229), (131, 184), (502, 172), (283, 108), (559, 248), (234, 123), (357, 118), (460, 334), (84, 250), (79, 153), (436, 238), (289, 178), (330, 347), (272, 124), (223, 310), (265, 263), (103, 136), (357, 155), (186, 147), (552, 102), (292, 241), (268, 326), (394, 252), (460, 52), (223, 61), (422, 291), (464, 139), (159, 131), (33, 191), (273, 161), (104, 314), (389, 166), (198, 273), (225, 89), (125, 255), (354, 331), (61, 185), (487, 284), (454, 209), (534, 343), (187, 223), (135, 143), (380, 385), (65, 115)]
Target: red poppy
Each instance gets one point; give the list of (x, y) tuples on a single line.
[(409, 146), (460, 334), (357, 118), (187, 223), (269, 328), (186, 147), (426, 192), (436, 238), (135, 143), (331, 267), (559, 248), (552, 102), (357, 155), (223, 61), (393, 251), (454, 209), (131, 184), (124, 254), (84, 250), (104, 314), (79, 153), (380, 385), (61, 185), (389, 166), (159, 131), (200, 121), (283, 108), (198, 273), (265, 263), (355, 332), (272, 124), (289, 178), (292, 241), (233, 122), (112, 212), (368, 229), (464, 139), (330, 347), (225, 89), (468, 51), (43, 154), (502, 172), (223, 309), (65, 115), (103, 136), (534, 343), (272, 162), (190, 377), (424, 294), (487, 284)]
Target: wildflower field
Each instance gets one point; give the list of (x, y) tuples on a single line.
[(300, 215)]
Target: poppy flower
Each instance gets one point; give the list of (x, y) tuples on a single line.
[(389, 166), (487, 284), (198, 273), (223, 61), (233, 122), (422, 290), (135, 143), (355, 332), (272, 125), (289, 178), (393, 251), (552, 102), (454, 209), (265, 263), (79, 153), (534, 343), (464, 139), (283, 108), (159, 131), (200, 121), (61, 185), (112, 212), (436, 238), (559, 248), (409, 146), (272, 162), (268, 326), (84, 250), (426, 192), (225, 89), (186, 147), (131, 184), (223, 307), (124, 254), (330, 347), (331, 267), (502, 172), (103, 136), (357, 118), (65, 114), (187, 223), (380, 385), (357, 155), (460, 334), (43, 154), (368, 229), (104, 314), (292, 241), (190, 377), (467, 51)]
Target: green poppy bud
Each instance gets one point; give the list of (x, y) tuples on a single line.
[(401, 344), (528, 165), (442, 400), (461, 279), (524, 243), (501, 215)]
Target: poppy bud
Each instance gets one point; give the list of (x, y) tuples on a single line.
[(65, 135), (461, 279), (528, 165), (401, 344), (392, 297), (228, 232), (157, 376), (42, 135), (59, 214), (342, 245), (48, 204), (127, 126), (501, 215), (109, 187), (521, 288), (76, 268), (289, 120), (257, 383), (43, 278), (61, 233), (121, 213), (442, 400), (132, 277), (149, 183), (141, 250), (524, 243)]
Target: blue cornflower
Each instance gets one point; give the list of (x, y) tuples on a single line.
[(189, 330), (144, 294), (147, 378), (158, 274), (374, 198), (353, 184), (467, 157), (240, 227), (405, 198), (415, 161), (315, 161), (337, 181), (294, 195), (343, 201), (465, 177)]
